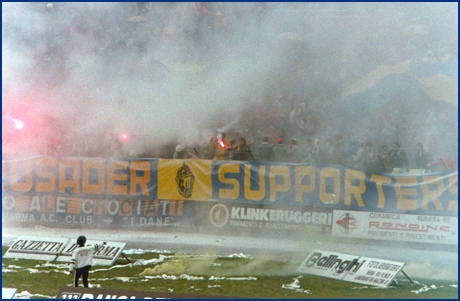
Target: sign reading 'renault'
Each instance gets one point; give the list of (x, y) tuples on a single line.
[(360, 269)]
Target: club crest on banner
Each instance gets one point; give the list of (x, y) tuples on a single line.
[(184, 180)]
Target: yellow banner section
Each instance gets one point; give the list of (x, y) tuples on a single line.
[(188, 179), (441, 87)]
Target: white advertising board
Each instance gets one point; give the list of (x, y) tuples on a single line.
[(60, 249), (329, 264), (38, 248), (8, 293), (352, 268), (375, 272), (106, 255), (396, 227)]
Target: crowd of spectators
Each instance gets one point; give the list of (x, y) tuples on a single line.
[(354, 154), (289, 125)]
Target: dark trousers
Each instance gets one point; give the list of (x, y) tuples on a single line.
[(84, 273)]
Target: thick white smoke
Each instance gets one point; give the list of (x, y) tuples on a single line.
[(177, 78)]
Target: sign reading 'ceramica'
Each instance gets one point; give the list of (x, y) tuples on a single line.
[(396, 227), (365, 270)]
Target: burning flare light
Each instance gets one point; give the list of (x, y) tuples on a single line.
[(18, 123)]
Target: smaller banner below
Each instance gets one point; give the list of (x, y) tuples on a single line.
[(37, 248), (261, 218), (72, 211), (93, 293), (396, 227), (352, 268)]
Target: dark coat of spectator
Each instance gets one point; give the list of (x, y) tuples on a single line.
[(279, 151), (294, 152), (421, 157), (322, 154), (265, 150), (370, 156), (383, 162), (241, 152), (338, 155), (398, 157)]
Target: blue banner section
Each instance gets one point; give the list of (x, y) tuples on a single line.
[(335, 187), (81, 177), (251, 183)]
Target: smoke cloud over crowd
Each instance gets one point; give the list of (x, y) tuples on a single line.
[(169, 73)]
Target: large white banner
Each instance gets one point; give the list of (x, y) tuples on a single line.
[(61, 249), (396, 227), (352, 268)]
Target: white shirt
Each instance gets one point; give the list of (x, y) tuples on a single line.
[(82, 256)]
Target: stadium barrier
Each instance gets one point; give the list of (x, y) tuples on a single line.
[(274, 196)]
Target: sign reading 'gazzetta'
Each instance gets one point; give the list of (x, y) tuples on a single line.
[(60, 249), (39, 248)]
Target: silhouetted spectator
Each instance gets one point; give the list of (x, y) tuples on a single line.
[(383, 160), (294, 152), (221, 145), (358, 157), (398, 157), (370, 156), (265, 150), (280, 152), (339, 156), (241, 152), (323, 152), (421, 157)]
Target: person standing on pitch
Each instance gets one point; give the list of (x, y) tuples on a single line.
[(82, 260)]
